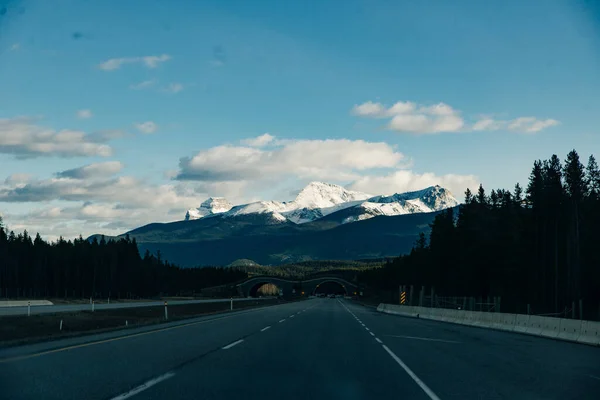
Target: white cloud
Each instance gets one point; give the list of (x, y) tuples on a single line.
[(84, 114), (315, 159), (409, 117), (104, 169), (522, 124), (146, 127), (21, 137), (174, 87), (148, 61), (413, 118), (530, 124), (259, 141), (404, 181), (143, 84), (89, 200)]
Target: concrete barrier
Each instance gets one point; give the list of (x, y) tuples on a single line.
[(521, 323), (590, 333), (505, 321), (584, 332), (570, 329), (534, 326), (24, 303), (550, 327)]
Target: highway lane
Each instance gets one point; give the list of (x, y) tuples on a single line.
[(462, 362), (104, 306), (321, 348)]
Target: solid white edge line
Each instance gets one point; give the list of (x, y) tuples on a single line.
[(230, 345), (378, 340), (414, 377), (281, 320), (265, 328), (372, 334), (144, 386)]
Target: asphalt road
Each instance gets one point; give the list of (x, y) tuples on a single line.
[(81, 307), (316, 349)]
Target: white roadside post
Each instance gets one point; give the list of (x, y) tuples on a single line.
[(231, 303), (29, 309), (60, 328), (166, 312), (93, 305)]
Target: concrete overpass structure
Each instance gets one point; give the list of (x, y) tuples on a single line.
[(250, 286)]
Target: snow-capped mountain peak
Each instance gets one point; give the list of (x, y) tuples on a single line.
[(323, 195), (211, 206)]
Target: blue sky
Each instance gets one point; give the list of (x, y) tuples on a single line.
[(161, 100)]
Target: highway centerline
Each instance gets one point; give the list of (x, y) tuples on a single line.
[(230, 345), (77, 346), (265, 328), (281, 320), (144, 386)]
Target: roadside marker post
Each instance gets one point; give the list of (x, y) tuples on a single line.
[(93, 305), (29, 309), (166, 312), (60, 327), (231, 303)]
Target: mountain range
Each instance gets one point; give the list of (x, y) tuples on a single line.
[(320, 199), (323, 222)]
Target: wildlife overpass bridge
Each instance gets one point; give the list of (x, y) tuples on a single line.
[(250, 286)]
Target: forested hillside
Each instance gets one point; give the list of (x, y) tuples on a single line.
[(536, 246), (80, 269)]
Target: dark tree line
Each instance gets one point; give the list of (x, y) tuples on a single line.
[(34, 268), (536, 246)]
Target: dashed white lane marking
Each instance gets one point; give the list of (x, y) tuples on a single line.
[(230, 345), (292, 316), (423, 338), (281, 320), (414, 377), (594, 377), (144, 386), (265, 328)]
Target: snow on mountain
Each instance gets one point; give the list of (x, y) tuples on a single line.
[(211, 206), (319, 199), (259, 207), (434, 198), (325, 195)]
